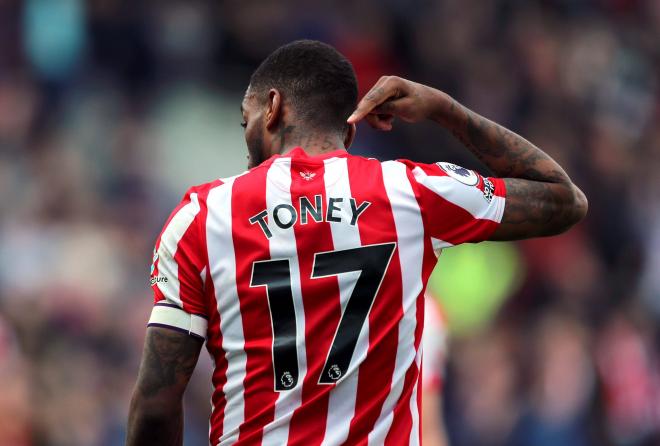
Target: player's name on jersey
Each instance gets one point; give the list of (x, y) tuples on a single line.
[(336, 210)]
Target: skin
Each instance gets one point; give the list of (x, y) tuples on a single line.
[(156, 411), (272, 127), (169, 357), (541, 200)]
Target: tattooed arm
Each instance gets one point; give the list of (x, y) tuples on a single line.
[(541, 199), (156, 413)]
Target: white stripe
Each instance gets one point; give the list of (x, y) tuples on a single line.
[(470, 198), (202, 274), (341, 405), (178, 318), (283, 246), (439, 245), (414, 408), (222, 261), (169, 242), (410, 238)]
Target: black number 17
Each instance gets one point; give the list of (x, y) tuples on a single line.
[(372, 262)]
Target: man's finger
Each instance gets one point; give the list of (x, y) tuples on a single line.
[(380, 122), (376, 96), (390, 107)]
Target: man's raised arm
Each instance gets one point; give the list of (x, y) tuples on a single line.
[(156, 413), (541, 199)]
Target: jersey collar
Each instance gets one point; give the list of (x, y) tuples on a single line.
[(299, 153)]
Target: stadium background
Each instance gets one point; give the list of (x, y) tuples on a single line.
[(109, 109)]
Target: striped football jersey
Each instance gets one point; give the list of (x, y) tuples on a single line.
[(306, 277)]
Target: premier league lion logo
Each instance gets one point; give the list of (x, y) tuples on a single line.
[(461, 174), (287, 379), (334, 372)]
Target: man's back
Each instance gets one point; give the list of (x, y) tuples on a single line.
[(306, 273)]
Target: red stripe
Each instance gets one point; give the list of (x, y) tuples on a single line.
[(322, 316), (429, 169), (250, 245), (430, 259), (191, 260), (428, 265), (401, 427), (376, 226), (158, 294), (399, 433), (195, 261), (445, 220), (191, 257), (214, 335), (219, 378)]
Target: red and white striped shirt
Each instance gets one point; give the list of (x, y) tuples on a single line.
[(305, 275)]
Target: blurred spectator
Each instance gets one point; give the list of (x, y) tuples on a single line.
[(434, 343), (486, 404), (562, 385)]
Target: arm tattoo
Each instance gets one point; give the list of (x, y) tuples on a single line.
[(169, 360), (503, 151), (535, 208), (282, 134), (373, 94), (156, 413), (327, 145), (289, 136), (541, 199)]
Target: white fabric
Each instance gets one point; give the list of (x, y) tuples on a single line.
[(410, 244), (341, 405), (439, 245), (177, 318), (283, 246), (223, 271), (169, 241), (470, 198)]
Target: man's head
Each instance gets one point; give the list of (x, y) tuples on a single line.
[(304, 87)]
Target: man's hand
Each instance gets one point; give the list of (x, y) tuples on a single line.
[(541, 199), (394, 97)]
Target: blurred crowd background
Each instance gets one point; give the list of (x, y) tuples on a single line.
[(110, 109)]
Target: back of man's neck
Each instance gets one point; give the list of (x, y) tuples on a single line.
[(313, 143)]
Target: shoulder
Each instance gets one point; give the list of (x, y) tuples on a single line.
[(372, 162), (439, 168), (200, 192), (444, 171)]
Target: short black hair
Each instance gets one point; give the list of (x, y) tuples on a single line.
[(316, 79)]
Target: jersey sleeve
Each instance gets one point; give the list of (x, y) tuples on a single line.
[(458, 205), (177, 271)]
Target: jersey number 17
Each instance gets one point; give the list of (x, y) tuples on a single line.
[(371, 261)]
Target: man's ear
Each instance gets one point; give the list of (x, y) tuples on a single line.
[(350, 136), (274, 108)]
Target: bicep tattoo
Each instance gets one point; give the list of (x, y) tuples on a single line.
[(534, 209), (168, 361)]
